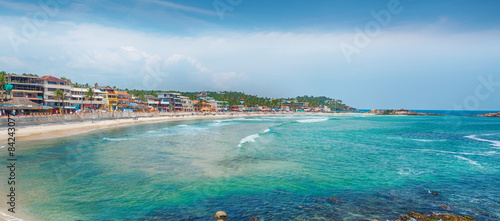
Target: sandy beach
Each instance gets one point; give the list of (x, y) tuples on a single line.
[(53, 130)]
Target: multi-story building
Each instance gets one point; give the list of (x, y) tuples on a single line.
[(187, 104), (302, 104), (222, 106), (50, 84), (202, 105), (174, 100), (80, 100), (29, 87), (110, 95), (162, 104), (123, 99)]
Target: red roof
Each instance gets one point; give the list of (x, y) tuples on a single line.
[(52, 78)]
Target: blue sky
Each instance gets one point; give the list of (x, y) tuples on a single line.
[(371, 54)]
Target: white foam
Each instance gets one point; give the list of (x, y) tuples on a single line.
[(422, 140), (2, 147), (469, 161), (312, 120), (495, 143), (489, 153), (9, 218), (267, 130), (247, 139), (114, 139), (425, 140), (182, 125)]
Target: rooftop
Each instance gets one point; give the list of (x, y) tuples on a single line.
[(52, 78)]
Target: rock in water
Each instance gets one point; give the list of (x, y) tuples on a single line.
[(433, 193), (220, 215), (445, 207), (431, 217)]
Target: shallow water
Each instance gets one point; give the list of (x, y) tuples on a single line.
[(273, 168)]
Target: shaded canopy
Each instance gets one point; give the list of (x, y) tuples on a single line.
[(20, 103)]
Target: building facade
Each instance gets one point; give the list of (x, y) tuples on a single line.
[(81, 101), (174, 100), (30, 87), (187, 104), (50, 84), (111, 97)]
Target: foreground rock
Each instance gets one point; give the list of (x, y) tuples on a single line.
[(220, 215), (401, 112), (488, 115), (432, 217)]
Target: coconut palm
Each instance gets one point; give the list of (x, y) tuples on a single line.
[(200, 104), (60, 95), (3, 82), (89, 95)]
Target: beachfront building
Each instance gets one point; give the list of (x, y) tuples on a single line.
[(111, 97), (222, 106), (174, 100), (124, 100), (162, 104), (187, 104), (201, 105), (302, 105), (212, 102), (81, 101), (238, 108), (26, 86), (50, 85)]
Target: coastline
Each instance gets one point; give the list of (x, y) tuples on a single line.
[(55, 130)]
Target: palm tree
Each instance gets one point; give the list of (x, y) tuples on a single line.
[(60, 95), (200, 104), (3, 82), (89, 95)]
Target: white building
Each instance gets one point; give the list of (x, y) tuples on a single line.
[(50, 85), (78, 99)]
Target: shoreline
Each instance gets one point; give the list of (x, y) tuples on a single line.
[(64, 129), (56, 130)]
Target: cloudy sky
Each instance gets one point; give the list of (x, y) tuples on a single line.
[(418, 54)]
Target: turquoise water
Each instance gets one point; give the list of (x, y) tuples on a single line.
[(273, 168)]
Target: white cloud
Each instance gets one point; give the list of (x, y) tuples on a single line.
[(11, 62), (265, 63), (180, 7), (181, 69)]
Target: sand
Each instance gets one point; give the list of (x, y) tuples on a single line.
[(47, 131), (50, 131)]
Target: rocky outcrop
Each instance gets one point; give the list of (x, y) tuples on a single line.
[(432, 217), (401, 112), (488, 115)]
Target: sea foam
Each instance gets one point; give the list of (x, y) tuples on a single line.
[(469, 161), (251, 138), (9, 218), (247, 139), (312, 120), (114, 139), (495, 143)]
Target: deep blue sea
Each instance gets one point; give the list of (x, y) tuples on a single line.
[(270, 168), (449, 112)]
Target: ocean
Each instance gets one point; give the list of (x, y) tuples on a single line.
[(341, 167)]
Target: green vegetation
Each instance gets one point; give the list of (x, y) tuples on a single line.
[(388, 112), (60, 95), (89, 95), (141, 93)]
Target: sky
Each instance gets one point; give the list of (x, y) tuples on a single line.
[(412, 54)]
